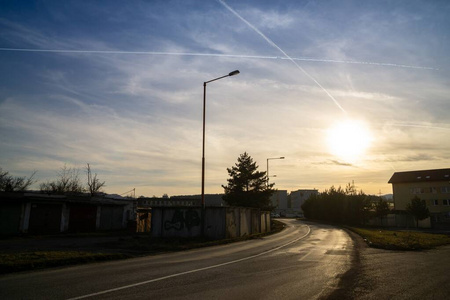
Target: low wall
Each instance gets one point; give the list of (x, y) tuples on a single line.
[(219, 222)]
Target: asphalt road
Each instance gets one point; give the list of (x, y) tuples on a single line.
[(384, 274), (302, 262), (305, 261)]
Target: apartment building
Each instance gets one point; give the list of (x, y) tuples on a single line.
[(433, 186)]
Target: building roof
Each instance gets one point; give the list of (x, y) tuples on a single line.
[(421, 176)]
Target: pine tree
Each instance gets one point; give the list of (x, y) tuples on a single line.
[(247, 187)]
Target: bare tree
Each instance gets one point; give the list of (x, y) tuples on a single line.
[(9, 183), (94, 184), (67, 182)]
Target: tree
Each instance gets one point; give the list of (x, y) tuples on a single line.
[(67, 182), (93, 183), (381, 209), (418, 208), (9, 183), (247, 186), (337, 205)]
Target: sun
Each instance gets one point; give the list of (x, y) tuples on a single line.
[(349, 139)]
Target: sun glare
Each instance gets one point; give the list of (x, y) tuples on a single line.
[(349, 139)]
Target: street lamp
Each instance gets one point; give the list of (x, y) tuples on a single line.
[(282, 157), (203, 148)]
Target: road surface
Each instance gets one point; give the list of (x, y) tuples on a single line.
[(305, 261)]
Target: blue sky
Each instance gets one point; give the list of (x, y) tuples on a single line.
[(119, 85)]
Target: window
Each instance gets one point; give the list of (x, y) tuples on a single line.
[(445, 189), (446, 201), (417, 191), (435, 202), (434, 190)]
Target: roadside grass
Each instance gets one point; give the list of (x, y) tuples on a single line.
[(124, 247), (401, 240), (23, 261)]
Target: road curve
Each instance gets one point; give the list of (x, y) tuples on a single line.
[(304, 261)]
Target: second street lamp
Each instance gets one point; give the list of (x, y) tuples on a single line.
[(282, 157), (235, 72)]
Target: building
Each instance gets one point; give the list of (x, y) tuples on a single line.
[(433, 186), (279, 201), (298, 198), (37, 213)]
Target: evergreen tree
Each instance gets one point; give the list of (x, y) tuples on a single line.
[(247, 186), (418, 208)]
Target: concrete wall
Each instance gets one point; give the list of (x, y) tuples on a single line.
[(215, 222), (233, 222), (176, 222), (219, 222)]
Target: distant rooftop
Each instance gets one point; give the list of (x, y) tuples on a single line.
[(421, 176)]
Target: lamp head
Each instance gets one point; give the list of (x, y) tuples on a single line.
[(235, 72)]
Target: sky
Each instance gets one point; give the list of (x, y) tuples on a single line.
[(346, 91)]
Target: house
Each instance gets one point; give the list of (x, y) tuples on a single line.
[(433, 186)]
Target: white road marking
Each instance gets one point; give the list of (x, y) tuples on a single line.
[(191, 271)]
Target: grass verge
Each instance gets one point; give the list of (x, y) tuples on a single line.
[(23, 261), (401, 240)]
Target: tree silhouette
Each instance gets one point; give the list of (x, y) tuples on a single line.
[(418, 208), (9, 183), (247, 186), (67, 182), (381, 209), (93, 183)]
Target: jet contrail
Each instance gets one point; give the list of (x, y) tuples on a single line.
[(418, 125), (307, 59), (284, 53)]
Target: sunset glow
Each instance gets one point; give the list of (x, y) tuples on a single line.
[(349, 139)]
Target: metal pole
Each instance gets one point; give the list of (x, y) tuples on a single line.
[(282, 157), (235, 72), (203, 147)]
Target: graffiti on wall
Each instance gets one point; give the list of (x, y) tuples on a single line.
[(183, 219)]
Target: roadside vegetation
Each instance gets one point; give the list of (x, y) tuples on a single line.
[(401, 240), (29, 260)]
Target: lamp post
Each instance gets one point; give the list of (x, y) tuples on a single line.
[(203, 147), (282, 157)]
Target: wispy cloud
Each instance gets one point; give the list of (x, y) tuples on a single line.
[(120, 87)]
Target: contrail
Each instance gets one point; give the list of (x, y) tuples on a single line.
[(307, 59), (284, 53), (363, 63), (416, 125)]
